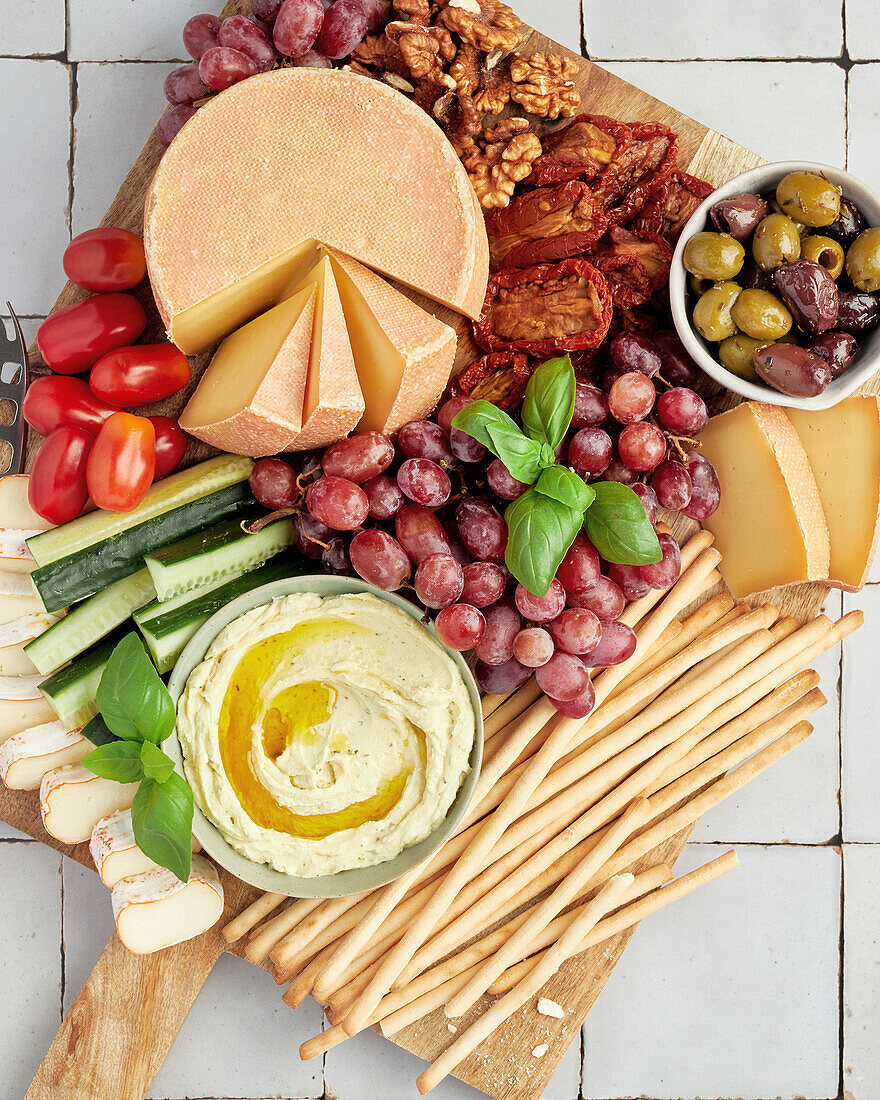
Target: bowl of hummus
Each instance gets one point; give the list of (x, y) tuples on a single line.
[(331, 742)]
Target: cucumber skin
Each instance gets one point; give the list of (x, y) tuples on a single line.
[(67, 580), (71, 691)]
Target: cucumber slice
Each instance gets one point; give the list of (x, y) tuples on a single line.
[(167, 627), (71, 691), (81, 574), (220, 553), (90, 621), (166, 495)]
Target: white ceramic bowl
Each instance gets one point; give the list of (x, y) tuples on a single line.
[(356, 879), (705, 354)]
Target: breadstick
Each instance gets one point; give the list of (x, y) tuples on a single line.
[(262, 938), (512, 707), (249, 918)]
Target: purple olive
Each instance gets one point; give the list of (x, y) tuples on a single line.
[(739, 215), (810, 293), (837, 349), (857, 310), (753, 277), (847, 225), (792, 370)]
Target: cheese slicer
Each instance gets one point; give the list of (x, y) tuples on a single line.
[(13, 353)]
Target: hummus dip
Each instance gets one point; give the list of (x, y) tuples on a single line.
[(321, 734)]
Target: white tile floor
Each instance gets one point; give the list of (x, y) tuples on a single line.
[(734, 993)]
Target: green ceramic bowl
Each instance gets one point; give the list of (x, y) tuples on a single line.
[(357, 879)]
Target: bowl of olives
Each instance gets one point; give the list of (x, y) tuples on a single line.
[(775, 285)]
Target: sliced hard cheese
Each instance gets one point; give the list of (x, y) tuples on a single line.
[(14, 636), (155, 909), (20, 714), (769, 528), (15, 509), (27, 756), (115, 851), (73, 800), (14, 554), (403, 355), (249, 401), (843, 448), (306, 154)]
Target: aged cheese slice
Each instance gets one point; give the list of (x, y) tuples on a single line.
[(403, 355), (769, 528), (73, 800), (843, 447), (18, 597), (27, 756), (250, 399), (155, 909), (115, 851), (14, 554), (306, 154), (15, 509), (20, 714), (14, 636)]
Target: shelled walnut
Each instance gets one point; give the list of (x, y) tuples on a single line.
[(486, 24), (499, 159), (543, 85)]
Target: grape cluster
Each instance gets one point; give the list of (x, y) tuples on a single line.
[(306, 33)]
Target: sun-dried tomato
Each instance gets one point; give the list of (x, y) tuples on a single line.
[(671, 203), (511, 371), (626, 185), (544, 226), (580, 150), (635, 264), (544, 309)]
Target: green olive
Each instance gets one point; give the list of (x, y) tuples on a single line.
[(809, 198), (712, 312), (863, 260), (761, 315), (714, 256), (776, 241), (736, 354), (825, 251), (699, 286)]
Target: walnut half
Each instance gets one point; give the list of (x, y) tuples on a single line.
[(503, 159), (542, 84), (486, 24)]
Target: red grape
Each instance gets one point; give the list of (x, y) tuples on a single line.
[(664, 573), (457, 548), (308, 465), (221, 67), (297, 25), (339, 503), (633, 351), (384, 496), (676, 366), (200, 34), (619, 471), (641, 446), (540, 609), (501, 679), (466, 448), (590, 451), (240, 33), (603, 597), (184, 85), (682, 411), (610, 376), (576, 630), (266, 9), (579, 707), (672, 484), (310, 536), (375, 13), (335, 558), (171, 123), (706, 495), (438, 580), (580, 567), (533, 647), (273, 483), (424, 439), (460, 626), (482, 529), (311, 59), (345, 25), (632, 397), (648, 498), (502, 482), (484, 583), (449, 409), (590, 406), (359, 457), (502, 626), (617, 644), (630, 581), (379, 559), (424, 482), (420, 533), (564, 677)]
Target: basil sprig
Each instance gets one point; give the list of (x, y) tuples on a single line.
[(543, 522), (136, 715)]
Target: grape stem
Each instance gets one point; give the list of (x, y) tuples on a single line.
[(257, 525)]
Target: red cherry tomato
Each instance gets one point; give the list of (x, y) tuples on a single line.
[(76, 336), (105, 259), (139, 375), (171, 444), (57, 486), (122, 462), (57, 400)]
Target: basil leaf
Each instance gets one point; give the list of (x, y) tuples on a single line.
[(156, 764), (131, 697), (119, 761), (549, 401), (473, 419), (619, 528), (161, 817), (97, 732), (567, 487), (539, 533), (521, 456)]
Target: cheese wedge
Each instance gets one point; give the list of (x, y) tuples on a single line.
[(250, 399), (14, 636), (27, 756), (73, 800), (297, 155), (770, 528), (403, 355), (156, 910), (115, 852), (15, 509), (843, 448)]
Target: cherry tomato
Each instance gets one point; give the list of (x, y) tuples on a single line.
[(139, 375), (105, 259), (76, 336), (122, 462), (171, 444), (57, 400), (57, 486)]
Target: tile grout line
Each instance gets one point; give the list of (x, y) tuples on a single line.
[(63, 954)]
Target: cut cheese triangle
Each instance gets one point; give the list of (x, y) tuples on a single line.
[(843, 447), (250, 399), (403, 355), (770, 527)]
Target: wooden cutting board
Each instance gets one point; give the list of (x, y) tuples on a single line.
[(118, 1032)]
